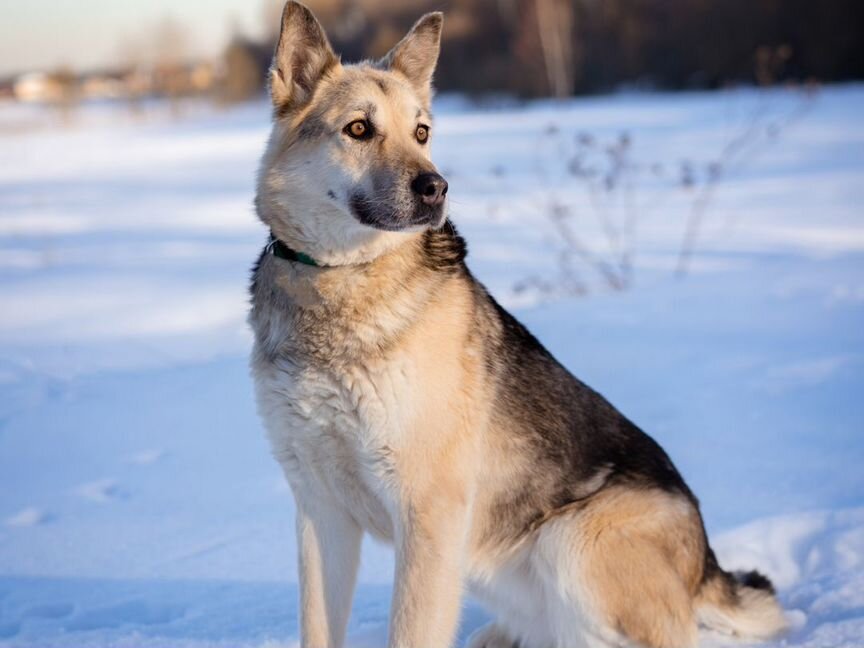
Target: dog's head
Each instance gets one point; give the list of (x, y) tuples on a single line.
[(347, 173)]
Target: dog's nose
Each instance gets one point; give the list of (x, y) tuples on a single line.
[(431, 188)]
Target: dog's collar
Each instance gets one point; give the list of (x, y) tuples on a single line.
[(278, 249)]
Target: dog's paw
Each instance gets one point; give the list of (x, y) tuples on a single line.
[(490, 636)]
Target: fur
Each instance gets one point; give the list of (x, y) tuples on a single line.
[(402, 401)]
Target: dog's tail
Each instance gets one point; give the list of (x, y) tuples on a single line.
[(742, 604)]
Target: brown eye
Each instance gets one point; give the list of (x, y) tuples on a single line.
[(422, 134), (359, 129)]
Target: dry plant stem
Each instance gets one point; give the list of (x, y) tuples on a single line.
[(559, 218), (733, 156), (612, 181)]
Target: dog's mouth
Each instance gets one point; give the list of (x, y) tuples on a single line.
[(383, 216)]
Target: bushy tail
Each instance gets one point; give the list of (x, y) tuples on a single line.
[(741, 604)]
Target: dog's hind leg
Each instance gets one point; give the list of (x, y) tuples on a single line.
[(622, 570)]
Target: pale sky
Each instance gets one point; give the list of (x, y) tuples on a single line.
[(42, 34)]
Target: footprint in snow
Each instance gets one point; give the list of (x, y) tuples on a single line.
[(124, 614), (28, 517), (9, 629), (146, 457), (101, 491), (49, 611)]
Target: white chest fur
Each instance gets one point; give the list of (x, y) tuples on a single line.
[(335, 429)]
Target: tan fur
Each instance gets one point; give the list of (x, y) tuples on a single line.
[(383, 345), (383, 386), (643, 545)]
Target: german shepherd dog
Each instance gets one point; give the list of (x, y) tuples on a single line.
[(401, 400)]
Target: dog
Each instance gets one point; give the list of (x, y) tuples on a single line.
[(401, 400)]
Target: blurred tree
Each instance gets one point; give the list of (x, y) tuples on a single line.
[(136, 80), (171, 78), (558, 47), (244, 66), (64, 91), (555, 28)]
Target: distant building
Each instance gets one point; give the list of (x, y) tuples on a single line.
[(64, 86), (103, 86), (38, 87), (7, 89)]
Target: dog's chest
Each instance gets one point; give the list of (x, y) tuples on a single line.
[(334, 429)]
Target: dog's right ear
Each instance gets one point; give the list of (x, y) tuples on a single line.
[(302, 56)]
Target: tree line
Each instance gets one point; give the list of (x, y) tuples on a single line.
[(536, 48)]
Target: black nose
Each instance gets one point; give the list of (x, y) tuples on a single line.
[(431, 188)]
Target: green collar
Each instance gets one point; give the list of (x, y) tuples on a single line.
[(278, 249)]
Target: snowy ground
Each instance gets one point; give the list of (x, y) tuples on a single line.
[(138, 502)]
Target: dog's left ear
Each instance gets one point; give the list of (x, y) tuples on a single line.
[(416, 55)]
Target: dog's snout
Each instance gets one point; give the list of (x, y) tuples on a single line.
[(431, 188)]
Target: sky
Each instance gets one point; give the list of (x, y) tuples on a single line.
[(43, 34)]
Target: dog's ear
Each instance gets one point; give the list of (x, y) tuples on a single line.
[(416, 55), (302, 56)]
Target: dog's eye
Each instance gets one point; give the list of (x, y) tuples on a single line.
[(359, 129), (422, 134)]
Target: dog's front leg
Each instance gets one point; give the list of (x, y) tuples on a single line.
[(430, 555), (328, 540)]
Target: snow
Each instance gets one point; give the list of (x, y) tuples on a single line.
[(138, 501)]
